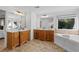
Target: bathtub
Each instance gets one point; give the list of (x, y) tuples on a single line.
[(70, 37), (68, 42)]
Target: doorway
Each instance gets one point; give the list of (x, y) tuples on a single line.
[(2, 29)]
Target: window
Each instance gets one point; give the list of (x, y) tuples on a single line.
[(67, 23)]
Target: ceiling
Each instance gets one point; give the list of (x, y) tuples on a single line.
[(40, 10)]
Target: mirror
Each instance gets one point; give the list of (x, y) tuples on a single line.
[(16, 22), (46, 23)]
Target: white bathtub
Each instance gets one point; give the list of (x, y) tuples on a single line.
[(68, 42), (70, 37)]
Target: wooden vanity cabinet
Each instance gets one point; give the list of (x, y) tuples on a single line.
[(15, 39), (12, 40), (44, 35), (24, 37)]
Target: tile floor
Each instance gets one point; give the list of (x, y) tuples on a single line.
[(37, 46)]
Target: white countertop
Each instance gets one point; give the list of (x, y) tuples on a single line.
[(17, 30), (24, 30), (44, 29)]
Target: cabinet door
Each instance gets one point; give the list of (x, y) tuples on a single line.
[(9, 40), (50, 36), (47, 35), (29, 35), (42, 35), (24, 36), (12, 39), (16, 38), (35, 34), (22, 40)]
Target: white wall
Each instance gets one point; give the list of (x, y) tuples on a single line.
[(28, 20), (38, 22), (33, 23), (55, 22), (76, 23)]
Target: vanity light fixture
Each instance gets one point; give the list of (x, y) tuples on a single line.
[(37, 6), (19, 13), (44, 16)]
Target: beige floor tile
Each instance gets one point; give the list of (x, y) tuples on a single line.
[(37, 46)]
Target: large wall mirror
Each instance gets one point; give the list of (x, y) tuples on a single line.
[(46, 23), (15, 22)]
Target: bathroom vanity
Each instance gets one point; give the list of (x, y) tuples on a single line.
[(44, 35), (18, 38)]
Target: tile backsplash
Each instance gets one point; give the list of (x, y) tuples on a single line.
[(68, 31)]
